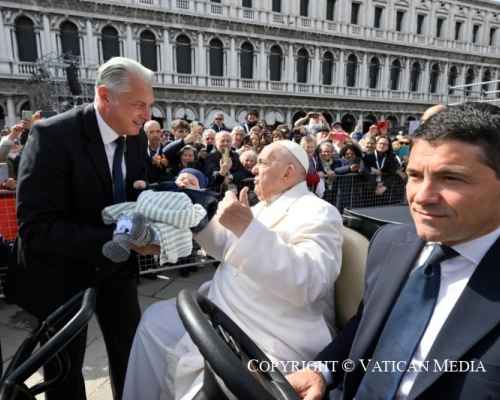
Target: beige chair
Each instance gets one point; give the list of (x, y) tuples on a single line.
[(349, 286)]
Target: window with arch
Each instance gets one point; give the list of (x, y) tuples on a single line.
[(373, 73), (486, 79), (351, 70), (246, 61), (70, 43), (110, 44), (434, 78), (416, 71), (26, 39), (469, 78), (302, 62), (275, 61), (149, 57), (395, 74), (452, 78), (304, 8), (216, 58), (328, 68), (183, 55)]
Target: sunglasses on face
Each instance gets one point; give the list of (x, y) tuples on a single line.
[(404, 143)]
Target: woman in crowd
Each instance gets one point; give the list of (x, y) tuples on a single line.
[(249, 159), (383, 164), (256, 140), (186, 157), (329, 163), (350, 187), (278, 134)]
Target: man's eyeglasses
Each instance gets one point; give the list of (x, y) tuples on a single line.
[(404, 143), (218, 119)]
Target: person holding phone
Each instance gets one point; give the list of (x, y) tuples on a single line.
[(223, 164), (351, 173), (314, 121)]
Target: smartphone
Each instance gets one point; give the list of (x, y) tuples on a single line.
[(357, 160), (209, 147), (247, 141), (193, 164), (225, 155), (26, 114), (314, 115), (339, 136), (404, 151), (79, 101), (194, 128), (47, 114)]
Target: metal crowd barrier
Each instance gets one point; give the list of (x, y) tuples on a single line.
[(345, 191)]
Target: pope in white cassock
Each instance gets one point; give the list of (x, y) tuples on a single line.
[(279, 261)]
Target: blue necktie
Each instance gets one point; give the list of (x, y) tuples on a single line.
[(404, 328), (119, 194)]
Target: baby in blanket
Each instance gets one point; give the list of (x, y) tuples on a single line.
[(166, 217)]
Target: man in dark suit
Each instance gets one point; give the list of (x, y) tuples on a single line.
[(453, 192), (65, 180), (224, 172), (157, 163)]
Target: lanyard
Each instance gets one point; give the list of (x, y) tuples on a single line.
[(156, 153), (379, 167)]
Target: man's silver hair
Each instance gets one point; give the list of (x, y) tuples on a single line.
[(236, 129), (115, 75)]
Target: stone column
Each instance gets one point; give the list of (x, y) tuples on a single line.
[(11, 118)]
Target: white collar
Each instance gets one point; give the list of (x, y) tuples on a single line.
[(108, 135), (474, 250)]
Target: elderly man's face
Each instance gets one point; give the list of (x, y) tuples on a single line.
[(209, 138), (453, 197), (127, 112), (269, 172), (153, 131), (238, 138), (223, 141)]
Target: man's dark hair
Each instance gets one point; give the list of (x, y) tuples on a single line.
[(477, 124)]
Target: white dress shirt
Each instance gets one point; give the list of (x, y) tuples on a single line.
[(108, 138)]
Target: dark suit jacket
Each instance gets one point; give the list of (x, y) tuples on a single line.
[(470, 333), (212, 167), (389, 169), (64, 183)]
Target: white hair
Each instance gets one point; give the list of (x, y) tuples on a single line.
[(115, 75)]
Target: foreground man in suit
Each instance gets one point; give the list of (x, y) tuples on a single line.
[(453, 193), (279, 261), (65, 181)]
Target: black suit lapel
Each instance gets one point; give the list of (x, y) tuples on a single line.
[(95, 150), (475, 314)]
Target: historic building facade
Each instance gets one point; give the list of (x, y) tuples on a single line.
[(350, 59)]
